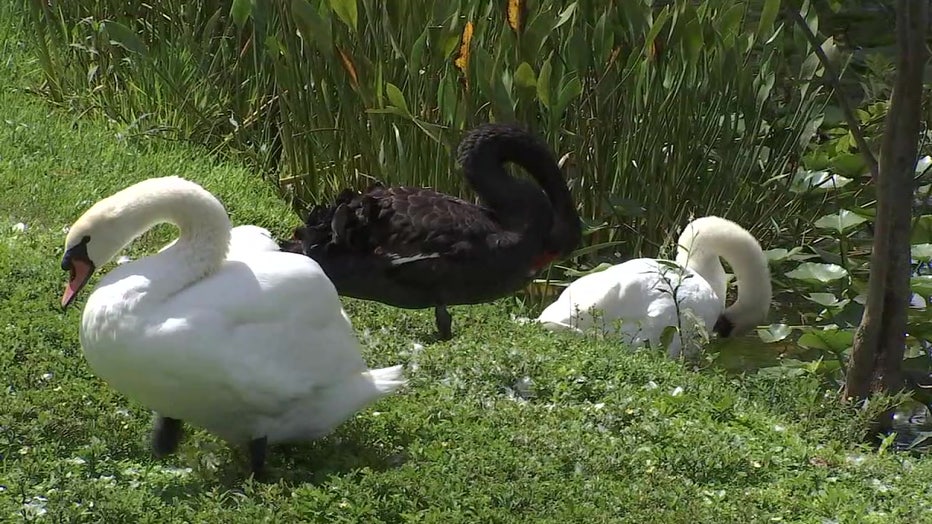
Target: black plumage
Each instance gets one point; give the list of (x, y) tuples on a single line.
[(415, 248)]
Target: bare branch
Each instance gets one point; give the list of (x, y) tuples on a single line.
[(833, 78)]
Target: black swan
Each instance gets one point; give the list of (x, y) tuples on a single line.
[(415, 248)]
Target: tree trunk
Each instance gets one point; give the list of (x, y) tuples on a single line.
[(876, 360)]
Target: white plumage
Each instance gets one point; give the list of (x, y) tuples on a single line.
[(635, 299), (219, 329)]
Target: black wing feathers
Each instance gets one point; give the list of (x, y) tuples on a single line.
[(398, 221)]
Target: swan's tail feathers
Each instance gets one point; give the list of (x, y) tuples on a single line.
[(387, 380)]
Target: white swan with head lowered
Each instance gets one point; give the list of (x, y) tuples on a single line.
[(636, 299), (219, 329)]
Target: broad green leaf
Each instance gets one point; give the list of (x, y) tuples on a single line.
[(729, 23), (656, 27), (806, 181), (922, 164), (826, 299), (524, 76), (768, 16), (396, 97), (570, 90), (921, 252), (774, 333), (124, 37), (778, 254), (346, 11), (834, 340), (841, 221), (565, 15), (921, 285), (810, 66), (922, 230), (446, 99), (818, 273), (240, 11), (850, 164), (312, 27), (417, 52), (543, 83)]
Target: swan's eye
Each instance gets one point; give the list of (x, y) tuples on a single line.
[(77, 251)]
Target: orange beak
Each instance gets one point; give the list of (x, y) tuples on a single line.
[(80, 273)]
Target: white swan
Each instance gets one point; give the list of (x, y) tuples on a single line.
[(635, 299), (253, 345)]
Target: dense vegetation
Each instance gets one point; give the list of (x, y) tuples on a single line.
[(680, 109)]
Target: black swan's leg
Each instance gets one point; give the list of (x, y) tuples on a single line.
[(166, 435), (442, 316), (257, 453)]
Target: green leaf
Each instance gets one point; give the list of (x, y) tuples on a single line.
[(312, 27), (922, 230), (655, 28), (570, 90), (806, 181), (921, 285), (240, 11), (921, 252), (417, 52), (346, 11), (841, 221), (834, 340), (396, 97), (850, 164), (543, 83), (779, 254), (565, 15), (817, 273), (774, 333), (524, 76), (827, 300), (768, 16), (119, 34)]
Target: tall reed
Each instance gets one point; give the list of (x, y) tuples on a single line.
[(670, 110)]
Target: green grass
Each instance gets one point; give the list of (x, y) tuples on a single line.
[(603, 435), (606, 436)]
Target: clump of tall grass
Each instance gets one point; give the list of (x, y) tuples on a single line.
[(685, 108)]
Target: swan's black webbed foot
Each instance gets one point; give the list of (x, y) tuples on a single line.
[(444, 321), (257, 452), (166, 435)]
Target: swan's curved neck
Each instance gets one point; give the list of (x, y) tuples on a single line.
[(706, 239), (483, 154), (203, 223)]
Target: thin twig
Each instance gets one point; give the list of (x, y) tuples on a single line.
[(833, 79)]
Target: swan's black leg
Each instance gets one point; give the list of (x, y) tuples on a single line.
[(442, 316), (257, 453), (166, 435)]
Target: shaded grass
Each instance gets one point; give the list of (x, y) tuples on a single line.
[(505, 423)]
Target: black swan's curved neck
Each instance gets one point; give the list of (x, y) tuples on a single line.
[(483, 153)]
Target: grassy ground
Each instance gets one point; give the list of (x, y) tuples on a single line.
[(506, 423)]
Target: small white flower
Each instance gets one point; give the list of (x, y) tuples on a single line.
[(19, 227), (36, 506), (855, 460), (651, 385), (677, 391), (46, 376), (778, 428)]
